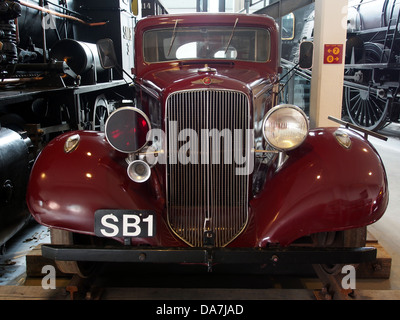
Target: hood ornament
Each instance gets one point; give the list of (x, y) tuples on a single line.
[(207, 69), (207, 80)]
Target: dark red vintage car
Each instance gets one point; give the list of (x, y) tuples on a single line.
[(203, 167)]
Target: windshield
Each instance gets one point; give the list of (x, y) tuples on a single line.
[(210, 42)]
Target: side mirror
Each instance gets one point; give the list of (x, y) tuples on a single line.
[(306, 55), (107, 55)]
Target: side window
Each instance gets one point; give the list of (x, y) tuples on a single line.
[(288, 24)]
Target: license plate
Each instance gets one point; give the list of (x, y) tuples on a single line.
[(124, 223)]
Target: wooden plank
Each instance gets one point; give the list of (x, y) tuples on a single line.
[(231, 294), (35, 262), (32, 293), (205, 294), (379, 294), (366, 295), (379, 269), (37, 293)]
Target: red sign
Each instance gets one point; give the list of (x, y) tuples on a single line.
[(333, 53)]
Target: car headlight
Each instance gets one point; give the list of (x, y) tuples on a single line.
[(285, 127), (126, 129)]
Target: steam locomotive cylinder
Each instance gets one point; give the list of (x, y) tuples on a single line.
[(80, 56)]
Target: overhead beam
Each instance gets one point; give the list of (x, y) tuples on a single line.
[(283, 7)]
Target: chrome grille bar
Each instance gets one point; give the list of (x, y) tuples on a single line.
[(205, 194)]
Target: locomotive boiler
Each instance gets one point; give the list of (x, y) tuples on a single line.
[(372, 59)]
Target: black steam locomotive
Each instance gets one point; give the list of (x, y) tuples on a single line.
[(372, 61), (51, 81)]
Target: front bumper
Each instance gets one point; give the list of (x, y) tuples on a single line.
[(211, 256)]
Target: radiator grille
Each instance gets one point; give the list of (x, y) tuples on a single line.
[(204, 191)]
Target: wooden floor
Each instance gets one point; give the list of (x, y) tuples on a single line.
[(191, 287), (181, 294)]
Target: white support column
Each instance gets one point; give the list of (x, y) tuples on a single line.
[(238, 5), (330, 27)]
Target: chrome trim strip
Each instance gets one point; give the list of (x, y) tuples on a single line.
[(142, 113)]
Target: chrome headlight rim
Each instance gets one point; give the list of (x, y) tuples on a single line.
[(277, 109), (110, 118)]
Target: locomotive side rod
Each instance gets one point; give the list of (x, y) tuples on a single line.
[(352, 85), (307, 74)]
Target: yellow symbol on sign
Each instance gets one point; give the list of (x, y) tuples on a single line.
[(336, 50), (329, 59)]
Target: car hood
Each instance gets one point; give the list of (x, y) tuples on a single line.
[(165, 81)]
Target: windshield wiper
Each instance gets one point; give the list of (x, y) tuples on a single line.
[(230, 38), (173, 37)]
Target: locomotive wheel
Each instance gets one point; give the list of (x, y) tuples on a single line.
[(82, 269), (100, 113), (365, 109)]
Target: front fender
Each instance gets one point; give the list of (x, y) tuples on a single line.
[(65, 189), (321, 187)]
